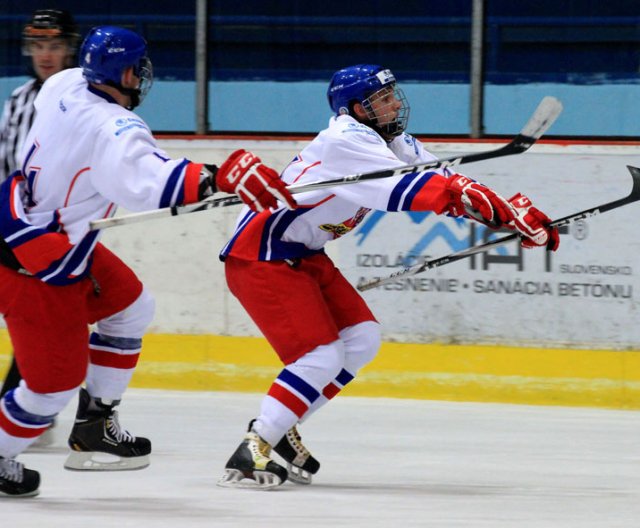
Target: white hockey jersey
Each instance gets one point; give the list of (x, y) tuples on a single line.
[(84, 155), (345, 147)]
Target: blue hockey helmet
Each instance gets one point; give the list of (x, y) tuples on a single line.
[(109, 50), (363, 83)]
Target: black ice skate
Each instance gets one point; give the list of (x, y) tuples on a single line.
[(252, 461), (99, 443), (300, 463), (16, 480)]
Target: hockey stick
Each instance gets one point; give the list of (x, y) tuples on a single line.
[(204, 205), (543, 117), (634, 196)]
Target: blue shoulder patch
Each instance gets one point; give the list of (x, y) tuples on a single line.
[(127, 123), (359, 128), (411, 141)]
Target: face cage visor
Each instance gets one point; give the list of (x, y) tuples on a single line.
[(386, 118), (144, 71)]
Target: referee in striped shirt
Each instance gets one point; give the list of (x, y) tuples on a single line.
[(51, 40)]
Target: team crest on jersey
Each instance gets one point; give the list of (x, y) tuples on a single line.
[(342, 229)]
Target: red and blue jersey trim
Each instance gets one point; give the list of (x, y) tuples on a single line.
[(258, 237), (182, 185), (419, 193), (44, 252)]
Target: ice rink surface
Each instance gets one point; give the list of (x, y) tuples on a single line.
[(385, 463)]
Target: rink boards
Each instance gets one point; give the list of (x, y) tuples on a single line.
[(504, 327), (593, 378)]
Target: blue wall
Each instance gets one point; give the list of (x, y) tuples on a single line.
[(270, 60), (589, 110)]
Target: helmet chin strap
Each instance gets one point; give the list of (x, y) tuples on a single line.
[(132, 93), (134, 96), (373, 124)]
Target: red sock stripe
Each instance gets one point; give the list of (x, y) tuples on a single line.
[(109, 359), (288, 399), (19, 431), (330, 391)]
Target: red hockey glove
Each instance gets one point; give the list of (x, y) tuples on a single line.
[(257, 185), (533, 224), (478, 201)]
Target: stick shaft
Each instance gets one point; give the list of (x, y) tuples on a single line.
[(543, 117), (481, 248)]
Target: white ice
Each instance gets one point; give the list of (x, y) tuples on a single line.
[(385, 463)]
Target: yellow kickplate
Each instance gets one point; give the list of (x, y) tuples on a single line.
[(594, 378)]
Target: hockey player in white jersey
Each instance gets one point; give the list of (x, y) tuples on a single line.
[(275, 264), (50, 39), (85, 154)]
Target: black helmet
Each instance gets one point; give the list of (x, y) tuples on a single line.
[(51, 23)]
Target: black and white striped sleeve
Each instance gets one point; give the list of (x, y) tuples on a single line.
[(17, 118)]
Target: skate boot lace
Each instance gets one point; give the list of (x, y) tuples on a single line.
[(11, 470), (295, 441), (260, 450), (115, 429)]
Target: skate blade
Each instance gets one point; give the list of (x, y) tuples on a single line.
[(261, 480), (298, 475), (96, 461)]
